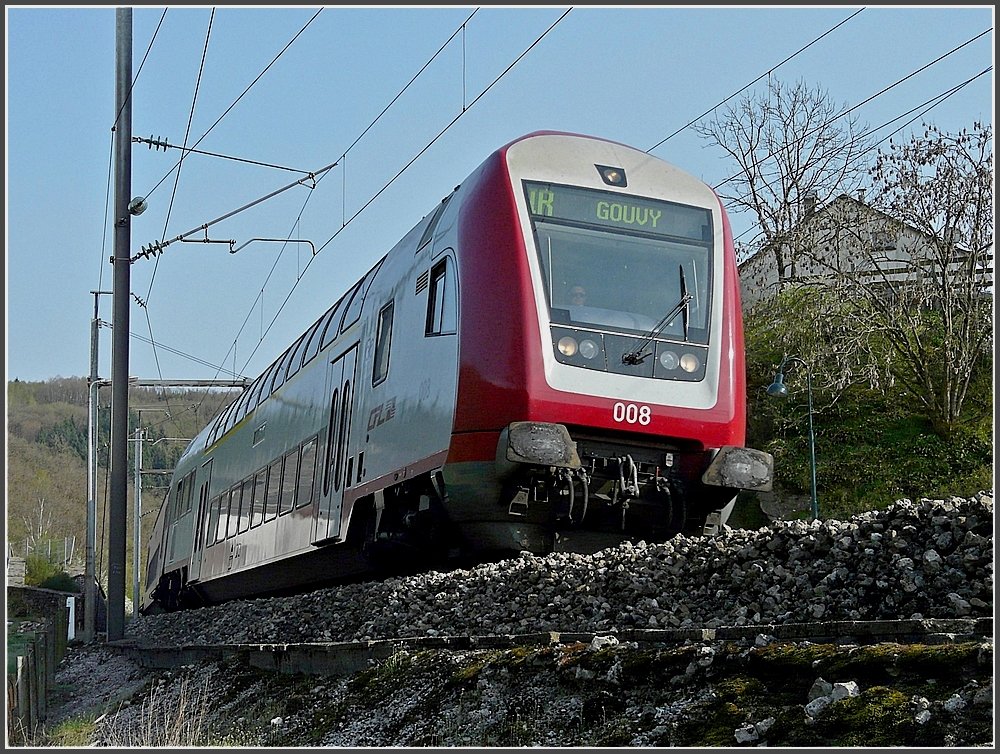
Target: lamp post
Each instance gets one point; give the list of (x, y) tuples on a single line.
[(778, 389)]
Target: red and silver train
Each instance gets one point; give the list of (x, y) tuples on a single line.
[(550, 360)]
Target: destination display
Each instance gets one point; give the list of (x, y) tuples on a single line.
[(557, 202)]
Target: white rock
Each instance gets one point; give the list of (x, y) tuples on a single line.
[(844, 690), (817, 705), (954, 703)]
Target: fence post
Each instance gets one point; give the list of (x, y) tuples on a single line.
[(30, 712), (61, 636), (42, 657), (23, 694)]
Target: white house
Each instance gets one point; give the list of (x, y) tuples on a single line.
[(847, 240)]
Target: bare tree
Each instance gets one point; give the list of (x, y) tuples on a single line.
[(915, 269), (795, 149), (37, 528)]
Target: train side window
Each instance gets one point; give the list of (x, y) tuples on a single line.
[(317, 336), (353, 312), (244, 406), (220, 424), (220, 531), (383, 338), (176, 501), (307, 473), (233, 518), (273, 490), (288, 480), (348, 300), (441, 300), (332, 326), (331, 439), (425, 238), (233, 414), (261, 387), (279, 376), (246, 508), (298, 356), (212, 530), (188, 494), (259, 488)]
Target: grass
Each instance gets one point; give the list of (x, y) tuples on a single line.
[(872, 451)]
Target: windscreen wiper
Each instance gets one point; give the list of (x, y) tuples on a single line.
[(681, 307)]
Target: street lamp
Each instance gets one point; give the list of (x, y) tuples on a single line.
[(778, 389)]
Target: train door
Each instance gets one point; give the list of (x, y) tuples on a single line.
[(194, 569), (337, 461)]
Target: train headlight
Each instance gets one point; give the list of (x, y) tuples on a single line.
[(567, 346), (588, 349), (690, 362), (669, 360)]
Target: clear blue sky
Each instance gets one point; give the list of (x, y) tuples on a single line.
[(634, 75)]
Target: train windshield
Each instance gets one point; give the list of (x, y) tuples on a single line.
[(614, 262)]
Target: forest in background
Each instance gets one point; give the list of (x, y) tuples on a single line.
[(47, 461)]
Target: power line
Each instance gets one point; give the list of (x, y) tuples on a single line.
[(465, 109), (343, 159), (173, 193), (766, 73), (100, 277), (863, 102), (236, 101), (928, 105), (177, 352), (139, 72)]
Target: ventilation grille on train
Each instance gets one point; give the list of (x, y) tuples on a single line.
[(422, 280)]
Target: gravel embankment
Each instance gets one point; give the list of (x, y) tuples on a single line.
[(930, 559), (924, 559)]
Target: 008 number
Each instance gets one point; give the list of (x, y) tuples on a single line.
[(630, 413)]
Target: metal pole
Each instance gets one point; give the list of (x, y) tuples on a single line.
[(137, 517), (118, 510), (90, 576), (812, 442)]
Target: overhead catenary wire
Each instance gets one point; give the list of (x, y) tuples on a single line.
[(173, 193), (465, 109), (189, 357), (237, 100), (925, 107), (162, 143), (864, 101), (747, 86), (342, 162)]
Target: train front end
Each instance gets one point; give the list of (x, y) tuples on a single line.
[(601, 384)]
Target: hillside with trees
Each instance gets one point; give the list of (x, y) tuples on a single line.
[(47, 452)]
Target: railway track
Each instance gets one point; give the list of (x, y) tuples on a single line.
[(346, 658)]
